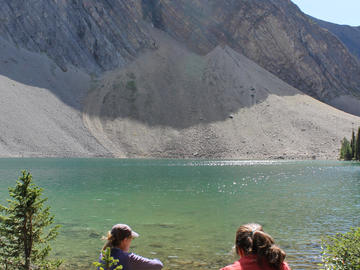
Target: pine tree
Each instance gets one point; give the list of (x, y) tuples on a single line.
[(352, 144), (345, 152), (23, 243), (357, 146)]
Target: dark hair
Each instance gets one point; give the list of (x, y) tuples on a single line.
[(115, 236), (253, 240)]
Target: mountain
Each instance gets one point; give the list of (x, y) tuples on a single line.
[(174, 103), (349, 35), (103, 35), (151, 78)]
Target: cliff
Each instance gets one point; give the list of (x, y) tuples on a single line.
[(92, 35)]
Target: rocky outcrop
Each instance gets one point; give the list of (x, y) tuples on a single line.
[(92, 35)]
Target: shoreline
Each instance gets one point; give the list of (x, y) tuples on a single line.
[(240, 159)]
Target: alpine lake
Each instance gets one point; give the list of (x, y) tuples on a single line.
[(187, 211)]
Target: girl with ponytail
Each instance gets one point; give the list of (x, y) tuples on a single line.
[(119, 240), (257, 250)]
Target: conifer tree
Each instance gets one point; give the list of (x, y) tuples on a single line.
[(357, 146), (353, 144), (24, 244), (345, 152)]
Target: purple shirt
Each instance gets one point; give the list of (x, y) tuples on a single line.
[(131, 261)]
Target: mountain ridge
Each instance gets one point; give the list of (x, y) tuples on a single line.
[(349, 35)]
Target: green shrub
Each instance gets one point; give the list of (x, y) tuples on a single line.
[(342, 251), (107, 261), (131, 85), (346, 151)]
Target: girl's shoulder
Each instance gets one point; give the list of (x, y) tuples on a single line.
[(285, 266), (235, 266)]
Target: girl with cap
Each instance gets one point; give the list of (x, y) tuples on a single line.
[(257, 250), (119, 240)]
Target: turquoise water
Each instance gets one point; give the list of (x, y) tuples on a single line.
[(187, 212)]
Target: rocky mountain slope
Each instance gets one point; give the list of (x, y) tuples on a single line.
[(275, 34), (93, 35), (40, 107), (102, 35), (200, 78), (174, 103), (349, 35)]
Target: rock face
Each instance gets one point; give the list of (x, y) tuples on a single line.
[(349, 35), (275, 34), (103, 35), (92, 35)]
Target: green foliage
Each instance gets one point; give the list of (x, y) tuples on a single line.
[(107, 261), (357, 146), (342, 251), (351, 150), (131, 85), (345, 151), (352, 144), (24, 229)]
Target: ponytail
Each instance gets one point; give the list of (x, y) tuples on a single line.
[(109, 241), (275, 256), (264, 246), (251, 239), (116, 235)]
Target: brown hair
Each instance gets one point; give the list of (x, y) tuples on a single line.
[(115, 236), (253, 240)]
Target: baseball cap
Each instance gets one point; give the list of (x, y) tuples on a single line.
[(125, 230)]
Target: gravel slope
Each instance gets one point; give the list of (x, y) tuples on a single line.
[(174, 103), (40, 108)]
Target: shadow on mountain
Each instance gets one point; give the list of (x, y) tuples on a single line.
[(170, 87), (37, 70), (173, 87)]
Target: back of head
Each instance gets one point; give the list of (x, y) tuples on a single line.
[(253, 240), (118, 233)]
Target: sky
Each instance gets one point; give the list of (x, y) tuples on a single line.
[(335, 11)]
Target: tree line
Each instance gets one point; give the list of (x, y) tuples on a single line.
[(350, 150)]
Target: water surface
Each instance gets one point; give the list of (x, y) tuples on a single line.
[(187, 211)]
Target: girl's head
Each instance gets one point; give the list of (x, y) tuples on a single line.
[(251, 239), (120, 236)]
